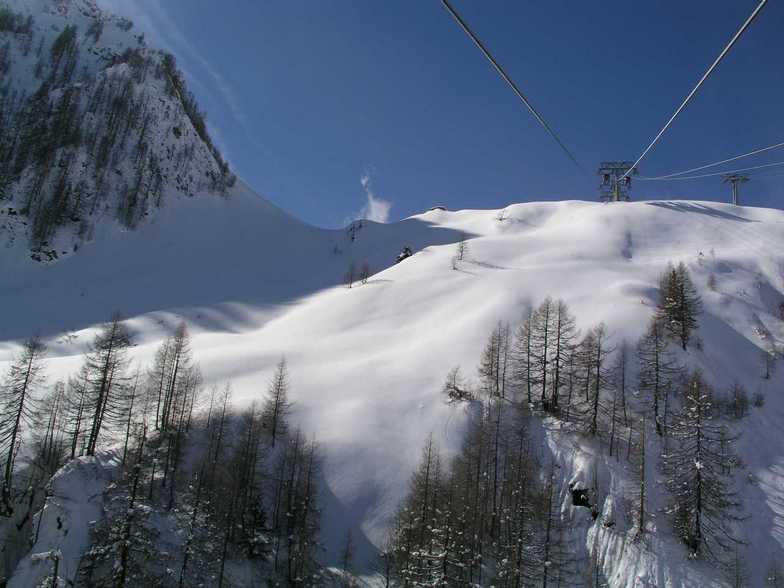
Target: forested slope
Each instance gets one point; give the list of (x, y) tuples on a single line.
[(93, 125)]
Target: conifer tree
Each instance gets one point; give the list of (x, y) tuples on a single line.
[(524, 371), (105, 365), (704, 508), (679, 304), (176, 377), (462, 248), (621, 375), (595, 352), (125, 541), (494, 364), (564, 335), (558, 565), (658, 369), (248, 508), (455, 388), (300, 504), (572, 377), (76, 411), (643, 489), (158, 377), (220, 423), (50, 448), (277, 406), (543, 342), (18, 401), (419, 550)]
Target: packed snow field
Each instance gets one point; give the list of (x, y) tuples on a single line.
[(368, 363)]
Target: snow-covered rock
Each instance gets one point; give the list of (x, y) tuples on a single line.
[(61, 529)]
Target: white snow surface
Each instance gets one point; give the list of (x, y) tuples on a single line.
[(63, 526), (368, 363)]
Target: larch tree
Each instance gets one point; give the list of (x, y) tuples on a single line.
[(595, 352), (217, 430), (18, 402), (158, 377), (248, 455), (176, 377), (76, 404), (295, 516), (179, 417), (455, 388), (418, 548), (462, 248), (679, 304), (524, 372), (126, 532), (657, 369), (277, 406), (350, 276), (618, 413), (643, 488), (572, 376), (564, 335), (621, 373), (494, 364), (542, 326), (105, 364), (50, 449), (704, 508), (132, 404), (557, 565)]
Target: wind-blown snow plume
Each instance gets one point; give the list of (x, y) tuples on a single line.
[(375, 209)]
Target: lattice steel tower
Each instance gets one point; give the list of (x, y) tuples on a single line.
[(616, 179)]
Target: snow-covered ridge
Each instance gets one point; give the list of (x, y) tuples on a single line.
[(95, 127), (368, 363)]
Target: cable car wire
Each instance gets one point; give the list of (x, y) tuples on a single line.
[(722, 173), (509, 81), (688, 98), (694, 169)]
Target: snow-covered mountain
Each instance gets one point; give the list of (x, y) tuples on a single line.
[(368, 363), (137, 213), (94, 126)]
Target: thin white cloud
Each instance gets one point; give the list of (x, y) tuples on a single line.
[(163, 31), (375, 208)]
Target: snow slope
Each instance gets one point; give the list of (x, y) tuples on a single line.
[(368, 363), (208, 257)]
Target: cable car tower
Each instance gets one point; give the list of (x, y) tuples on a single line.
[(735, 180), (616, 179)]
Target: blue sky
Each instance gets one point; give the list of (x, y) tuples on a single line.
[(333, 109)]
